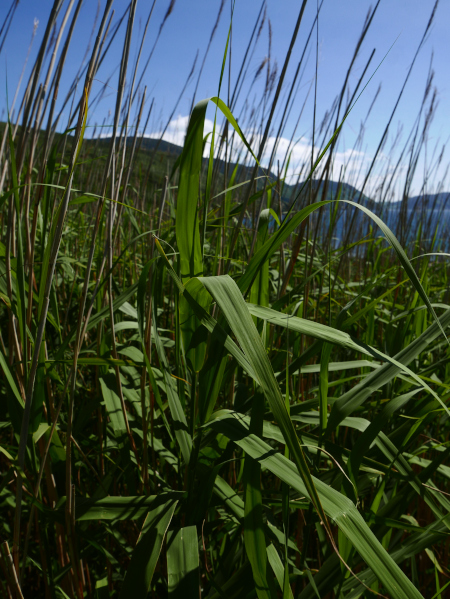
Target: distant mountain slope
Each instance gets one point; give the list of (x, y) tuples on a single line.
[(348, 192)]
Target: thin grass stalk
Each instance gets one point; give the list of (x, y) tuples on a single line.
[(211, 37), (266, 133), (78, 339), (129, 167), (43, 316), (7, 22), (188, 79), (14, 581), (33, 83), (385, 132), (11, 109), (161, 27), (40, 331)]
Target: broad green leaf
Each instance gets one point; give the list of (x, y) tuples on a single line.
[(323, 385), (194, 335), (187, 215), (210, 380), (307, 327), (229, 496), (218, 333)]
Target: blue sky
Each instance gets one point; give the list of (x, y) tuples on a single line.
[(188, 29)]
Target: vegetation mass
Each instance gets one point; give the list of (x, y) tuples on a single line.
[(215, 381)]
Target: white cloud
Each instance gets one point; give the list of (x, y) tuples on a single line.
[(353, 163), (176, 130)]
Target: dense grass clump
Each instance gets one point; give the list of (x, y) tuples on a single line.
[(215, 382)]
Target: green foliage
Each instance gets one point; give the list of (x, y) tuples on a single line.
[(192, 408)]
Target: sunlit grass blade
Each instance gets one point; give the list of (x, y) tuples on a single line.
[(225, 291)]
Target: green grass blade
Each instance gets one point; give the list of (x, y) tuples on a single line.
[(96, 319), (227, 294), (364, 442), (213, 135), (335, 336), (338, 507), (259, 293), (182, 563), (112, 403), (323, 385), (272, 245), (346, 404), (403, 258), (229, 496), (141, 293), (187, 219), (255, 542), (179, 418), (146, 553), (21, 300), (278, 569), (120, 508), (219, 335), (306, 327), (194, 335), (9, 377)]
